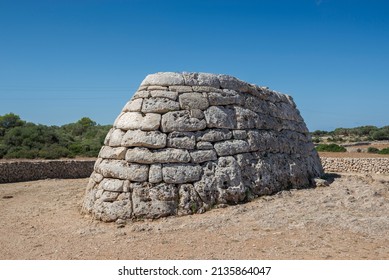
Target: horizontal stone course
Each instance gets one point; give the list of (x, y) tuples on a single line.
[(19, 171)]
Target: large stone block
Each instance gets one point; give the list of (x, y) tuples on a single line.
[(201, 79), (181, 173), (220, 117), (112, 153), (154, 201), (203, 155), (231, 147), (115, 137), (181, 140), (134, 105), (159, 105), (172, 95), (163, 79), (189, 200), (136, 120), (245, 118), (214, 135), (123, 170), (146, 156), (113, 185), (193, 100), (148, 139), (226, 97), (181, 121)]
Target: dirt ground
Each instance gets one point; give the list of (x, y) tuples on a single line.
[(351, 155), (347, 220)]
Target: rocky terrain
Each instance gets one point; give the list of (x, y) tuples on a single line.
[(349, 219)]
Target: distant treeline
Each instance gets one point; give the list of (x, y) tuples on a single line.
[(367, 132), (84, 138), (21, 139)]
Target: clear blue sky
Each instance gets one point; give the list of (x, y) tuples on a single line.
[(61, 60)]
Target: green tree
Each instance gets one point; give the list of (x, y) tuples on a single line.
[(8, 121)]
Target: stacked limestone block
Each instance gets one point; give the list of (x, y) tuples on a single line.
[(187, 142)]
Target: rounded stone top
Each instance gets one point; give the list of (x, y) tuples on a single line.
[(217, 81), (196, 79)]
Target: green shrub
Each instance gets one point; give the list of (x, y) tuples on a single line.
[(316, 140), (330, 148), (20, 139), (372, 150), (21, 152), (384, 151)]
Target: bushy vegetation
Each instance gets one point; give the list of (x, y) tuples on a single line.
[(21, 139), (367, 132), (330, 148), (373, 150)]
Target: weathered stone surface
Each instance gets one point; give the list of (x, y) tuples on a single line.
[(220, 117), (112, 185), (96, 177), (181, 89), (239, 134), (232, 83), (201, 79), (163, 79), (155, 173), (141, 94), (154, 201), (136, 120), (164, 94), (245, 118), (123, 170), (189, 200), (196, 113), (226, 97), (150, 88), (203, 145), (214, 135), (134, 105), (108, 136), (189, 141), (206, 89), (181, 121), (231, 147), (116, 138), (180, 173), (112, 153), (146, 156), (193, 100), (159, 105), (111, 211), (203, 155), (148, 139), (181, 140), (228, 180)]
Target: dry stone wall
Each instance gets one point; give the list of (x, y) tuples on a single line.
[(21, 171), (188, 141), (356, 165)]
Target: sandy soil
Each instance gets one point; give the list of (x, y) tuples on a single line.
[(351, 155), (347, 220)]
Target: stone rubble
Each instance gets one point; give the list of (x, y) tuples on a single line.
[(187, 142), (356, 165)]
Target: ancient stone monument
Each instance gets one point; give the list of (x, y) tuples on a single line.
[(187, 142)]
